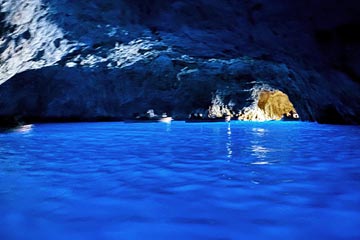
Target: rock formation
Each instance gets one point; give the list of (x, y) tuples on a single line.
[(102, 59), (270, 105)]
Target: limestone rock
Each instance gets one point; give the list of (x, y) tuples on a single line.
[(103, 59), (275, 104)]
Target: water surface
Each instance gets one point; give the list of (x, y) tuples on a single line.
[(274, 180)]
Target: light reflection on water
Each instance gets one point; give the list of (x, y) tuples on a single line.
[(229, 142), (258, 151), (24, 128), (180, 181)]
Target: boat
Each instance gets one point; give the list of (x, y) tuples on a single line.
[(149, 117), (149, 120), (165, 119), (290, 117), (199, 120)]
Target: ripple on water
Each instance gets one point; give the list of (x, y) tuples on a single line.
[(183, 181)]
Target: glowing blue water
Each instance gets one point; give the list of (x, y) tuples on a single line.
[(180, 181)]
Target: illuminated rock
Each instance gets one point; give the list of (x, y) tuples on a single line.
[(269, 105), (103, 59), (275, 104)]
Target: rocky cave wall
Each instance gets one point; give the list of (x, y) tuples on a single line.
[(103, 59)]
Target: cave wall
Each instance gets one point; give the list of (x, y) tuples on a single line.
[(109, 59)]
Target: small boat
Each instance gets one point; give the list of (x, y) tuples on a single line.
[(290, 117), (199, 120), (149, 117), (165, 119), (149, 120)]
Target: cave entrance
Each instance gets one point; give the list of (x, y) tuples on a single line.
[(276, 105)]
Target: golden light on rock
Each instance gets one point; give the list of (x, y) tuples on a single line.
[(270, 105), (276, 104)]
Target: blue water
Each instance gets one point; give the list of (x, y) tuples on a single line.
[(275, 180)]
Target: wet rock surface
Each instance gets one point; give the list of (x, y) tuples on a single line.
[(106, 60)]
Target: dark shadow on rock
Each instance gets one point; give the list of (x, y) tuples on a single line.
[(329, 114), (9, 122)]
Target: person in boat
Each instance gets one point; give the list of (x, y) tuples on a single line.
[(227, 117), (196, 116), (290, 116), (136, 116), (150, 114)]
